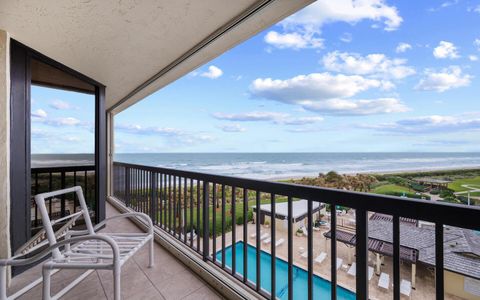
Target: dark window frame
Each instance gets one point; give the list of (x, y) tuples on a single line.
[(20, 153)]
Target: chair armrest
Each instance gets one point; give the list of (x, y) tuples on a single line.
[(143, 216), (20, 262)]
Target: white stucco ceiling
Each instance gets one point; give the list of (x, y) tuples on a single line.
[(123, 43)]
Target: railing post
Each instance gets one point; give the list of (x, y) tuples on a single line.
[(153, 196), (206, 224), (62, 202), (127, 187), (439, 277), (361, 251)]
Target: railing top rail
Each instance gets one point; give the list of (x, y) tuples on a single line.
[(443, 213), (59, 169)]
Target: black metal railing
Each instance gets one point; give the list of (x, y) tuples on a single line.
[(48, 179), (192, 198)]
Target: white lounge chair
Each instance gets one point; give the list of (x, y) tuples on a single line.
[(279, 242), (264, 236), (86, 250), (267, 240), (304, 231), (339, 263), (254, 234), (353, 271), (405, 287), (320, 258), (304, 254), (384, 281)]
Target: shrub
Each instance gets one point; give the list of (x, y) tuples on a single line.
[(418, 187), (409, 195), (447, 193)]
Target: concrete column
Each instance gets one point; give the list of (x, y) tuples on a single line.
[(378, 264), (414, 275), (110, 152), (4, 144)]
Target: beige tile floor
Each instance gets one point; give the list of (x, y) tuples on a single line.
[(169, 279)]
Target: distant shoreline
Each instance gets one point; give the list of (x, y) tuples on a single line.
[(421, 172)]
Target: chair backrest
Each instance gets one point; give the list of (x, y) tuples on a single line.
[(48, 224)]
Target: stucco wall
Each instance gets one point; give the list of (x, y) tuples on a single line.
[(4, 144), (455, 285)]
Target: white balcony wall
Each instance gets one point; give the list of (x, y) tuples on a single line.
[(4, 144)]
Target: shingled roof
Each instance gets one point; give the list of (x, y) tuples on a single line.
[(461, 246)]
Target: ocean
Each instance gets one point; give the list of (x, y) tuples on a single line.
[(279, 165)]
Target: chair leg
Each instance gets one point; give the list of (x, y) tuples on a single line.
[(3, 283), (151, 263), (46, 273), (116, 282)]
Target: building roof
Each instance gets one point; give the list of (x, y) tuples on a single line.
[(377, 246), (431, 180), (461, 246), (299, 209), (137, 47)]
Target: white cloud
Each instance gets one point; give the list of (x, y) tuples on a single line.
[(350, 11), (39, 113), (445, 50), (69, 121), (375, 64), (61, 105), (302, 120), (274, 117), (293, 40), (473, 57), (303, 29), (474, 9), (430, 124), (315, 86), (443, 5), (250, 116), (212, 73), (403, 47), (327, 93), (476, 43), (346, 37), (174, 136), (232, 128), (357, 107), (448, 78)]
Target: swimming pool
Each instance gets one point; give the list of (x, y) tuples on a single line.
[(321, 286)]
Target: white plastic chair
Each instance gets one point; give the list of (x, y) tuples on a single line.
[(85, 250)]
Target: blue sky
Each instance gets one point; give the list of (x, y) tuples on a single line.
[(371, 75)]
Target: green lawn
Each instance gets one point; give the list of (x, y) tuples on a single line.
[(457, 184), (384, 189)]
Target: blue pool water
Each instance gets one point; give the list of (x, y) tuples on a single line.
[(321, 287)]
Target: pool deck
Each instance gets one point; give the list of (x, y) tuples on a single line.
[(425, 280)]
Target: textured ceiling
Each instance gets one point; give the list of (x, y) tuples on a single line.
[(123, 43)]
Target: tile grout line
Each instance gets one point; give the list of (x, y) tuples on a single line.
[(103, 288), (154, 286), (194, 291)]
